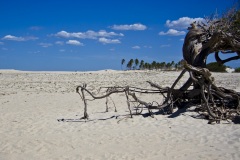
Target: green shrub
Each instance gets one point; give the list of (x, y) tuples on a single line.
[(237, 69), (216, 67)]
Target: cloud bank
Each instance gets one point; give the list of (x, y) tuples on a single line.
[(183, 22), (176, 27), (109, 41), (172, 32), (14, 38), (136, 47), (135, 27), (87, 35), (74, 42)]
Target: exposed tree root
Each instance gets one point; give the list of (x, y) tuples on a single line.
[(216, 103)]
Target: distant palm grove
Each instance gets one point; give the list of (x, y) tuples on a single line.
[(141, 65)]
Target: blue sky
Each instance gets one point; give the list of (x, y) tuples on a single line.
[(83, 35)]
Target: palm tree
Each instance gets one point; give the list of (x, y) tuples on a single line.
[(141, 66), (145, 65), (176, 66), (154, 64), (130, 63), (172, 64), (158, 65), (163, 65), (168, 65), (136, 63), (123, 61), (148, 66)]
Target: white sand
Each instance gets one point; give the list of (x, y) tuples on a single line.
[(32, 102)]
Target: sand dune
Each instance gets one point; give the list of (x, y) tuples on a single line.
[(33, 104)]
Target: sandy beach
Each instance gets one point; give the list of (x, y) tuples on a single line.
[(33, 104)]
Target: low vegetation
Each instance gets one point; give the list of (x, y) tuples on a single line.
[(141, 65), (237, 70), (216, 67)]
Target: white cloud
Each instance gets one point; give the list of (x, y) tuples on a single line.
[(45, 45), (13, 38), (87, 35), (136, 47), (103, 33), (108, 41), (183, 22), (63, 34), (172, 32), (74, 42), (136, 26)]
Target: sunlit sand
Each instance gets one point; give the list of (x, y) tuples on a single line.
[(40, 119)]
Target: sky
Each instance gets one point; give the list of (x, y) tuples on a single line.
[(87, 35)]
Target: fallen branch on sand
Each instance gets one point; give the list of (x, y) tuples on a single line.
[(217, 103)]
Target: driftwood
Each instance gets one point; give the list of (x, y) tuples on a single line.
[(217, 103)]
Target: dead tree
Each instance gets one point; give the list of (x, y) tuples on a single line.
[(216, 35)]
